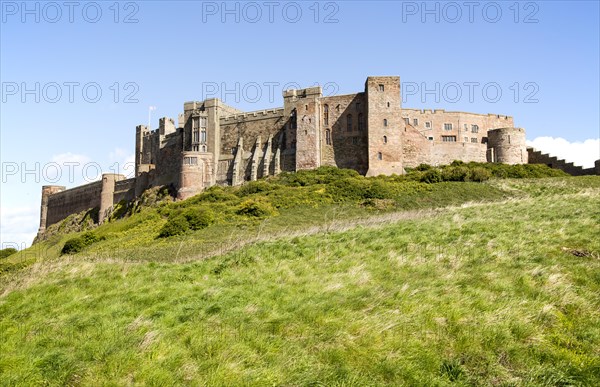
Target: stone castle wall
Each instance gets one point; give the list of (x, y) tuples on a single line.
[(369, 131)]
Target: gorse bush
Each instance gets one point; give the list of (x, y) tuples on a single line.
[(193, 218), (77, 244), (256, 208), (7, 252), (479, 172)]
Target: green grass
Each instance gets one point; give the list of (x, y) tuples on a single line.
[(503, 290)]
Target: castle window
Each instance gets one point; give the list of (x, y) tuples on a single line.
[(293, 119), (466, 139), (196, 135), (466, 127), (195, 148), (354, 140), (474, 140), (203, 122), (388, 104), (349, 122), (328, 137), (430, 138), (190, 161), (415, 122), (448, 138), (203, 148), (379, 156), (385, 139), (203, 136), (447, 126), (385, 122), (428, 124), (474, 129), (195, 122), (381, 88), (326, 115), (361, 122), (306, 107), (407, 120)]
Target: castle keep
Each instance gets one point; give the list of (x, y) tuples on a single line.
[(213, 143)]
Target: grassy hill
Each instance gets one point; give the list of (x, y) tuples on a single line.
[(320, 278)]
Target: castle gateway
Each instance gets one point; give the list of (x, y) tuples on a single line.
[(370, 132)]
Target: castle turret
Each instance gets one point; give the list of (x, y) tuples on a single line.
[(192, 173), (384, 126), (507, 145), (47, 190), (107, 194)]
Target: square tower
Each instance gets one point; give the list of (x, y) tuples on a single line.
[(384, 126)]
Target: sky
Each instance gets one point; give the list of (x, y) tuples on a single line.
[(77, 77)]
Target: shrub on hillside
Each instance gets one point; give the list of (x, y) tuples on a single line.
[(198, 218), (423, 167), (455, 173), (321, 175), (7, 252), (256, 208), (75, 245), (480, 174), (431, 176), (254, 187), (176, 225)]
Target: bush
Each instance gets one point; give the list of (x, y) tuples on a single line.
[(176, 225), (75, 245), (254, 187), (198, 218), (455, 173), (423, 167), (480, 174), (256, 208), (6, 252), (431, 176)]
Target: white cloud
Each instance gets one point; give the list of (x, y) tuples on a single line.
[(69, 157), (18, 226), (580, 153), (122, 162)]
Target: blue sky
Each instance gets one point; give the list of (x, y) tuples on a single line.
[(543, 58)]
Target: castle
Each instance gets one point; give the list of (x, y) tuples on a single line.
[(369, 131)]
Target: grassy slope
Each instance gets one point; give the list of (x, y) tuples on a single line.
[(480, 294)]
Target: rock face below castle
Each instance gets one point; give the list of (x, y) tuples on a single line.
[(369, 131)]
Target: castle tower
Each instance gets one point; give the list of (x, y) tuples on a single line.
[(47, 190), (140, 132), (303, 107), (384, 126), (194, 176), (107, 194), (507, 145)]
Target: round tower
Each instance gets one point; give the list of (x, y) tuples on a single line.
[(507, 145), (191, 177)]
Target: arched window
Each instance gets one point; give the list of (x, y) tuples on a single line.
[(385, 122), (203, 136), (361, 122), (379, 156), (385, 139), (326, 115), (328, 137), (349, 122)]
